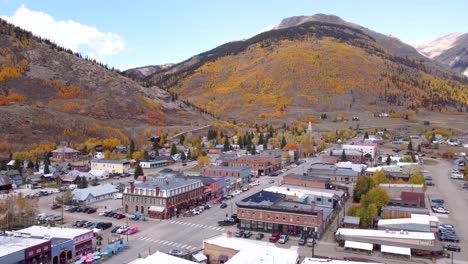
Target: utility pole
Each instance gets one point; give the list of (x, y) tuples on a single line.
[(127, 227)]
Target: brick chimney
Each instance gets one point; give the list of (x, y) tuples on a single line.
[(157, 190), (312, 206), (144, 178), (132, 187)]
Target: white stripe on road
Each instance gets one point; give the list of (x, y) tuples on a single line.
[(170, 243), (184, 246), (165, 242)]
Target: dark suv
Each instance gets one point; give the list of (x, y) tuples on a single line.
[(451, 247)]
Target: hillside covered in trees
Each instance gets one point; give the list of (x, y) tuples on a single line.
[(313, 67), (50, 94)]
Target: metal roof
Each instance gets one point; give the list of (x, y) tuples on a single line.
[(385, 233), (65, 150), (352, 220), (167, 182), (57, 232), (111, 161), (95, 191)]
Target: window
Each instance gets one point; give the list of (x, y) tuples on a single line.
[(136, 208), (298, 219), (318, 199), (284, 217), (329, 200), (268, 216), (276, 217), (242, 213)]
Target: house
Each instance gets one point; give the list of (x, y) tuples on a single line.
[(65, 153), (94, 194), (111, 166), (14, 175), (5, 184), (70, 178)]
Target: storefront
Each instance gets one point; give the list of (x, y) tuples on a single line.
[(38, 253), (260, 226), (84, 244), (62, 250)]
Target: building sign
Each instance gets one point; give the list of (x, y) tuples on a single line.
[(83, 238)]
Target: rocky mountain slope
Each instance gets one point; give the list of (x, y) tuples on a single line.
[(48, 94), (450, 50), (312, 67), (143, 72)]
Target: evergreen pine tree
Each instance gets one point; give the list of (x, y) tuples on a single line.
[(131, 148), (183, 157), (283, 142), (240, 142), (46, 168), (226, 144), (366, 135), (260, 139), (253, 151), (83, 183), (138, 172), (17, 165), (145, 155), (173, 149), (265, 143), (189, 154), (182, 139), (410, 146), (343, 156), (36, 165), (30, 165), (389, 160)]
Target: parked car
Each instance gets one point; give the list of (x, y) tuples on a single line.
[(91, 211), (114, 230), (55, 206), (450, 238), (132, 230), (111, 214), (174, 252), (283, 239), (81, 223), (430, 183), (438, 200), (239, 233), (440, 210), (302, 241), (122, 230), (135, 217), (88, 224), (56, 218), (119, 216), (223, 205), (259, 236), (274, 237), (451, 247), (227, 222), (271, 181), (311, 242), (104, 213), (446, 226), (207, 206), (247, 234)]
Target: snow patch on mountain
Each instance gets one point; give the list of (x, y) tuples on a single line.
[(436, 47)]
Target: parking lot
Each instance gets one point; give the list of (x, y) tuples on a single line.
[(455, 200)]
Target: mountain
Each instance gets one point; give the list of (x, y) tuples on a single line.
[(50, 94), (450, 50), (391, 43), (143, 72), (304, 68)]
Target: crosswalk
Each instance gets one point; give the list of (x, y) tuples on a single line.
[(166, 243), (197, 225)]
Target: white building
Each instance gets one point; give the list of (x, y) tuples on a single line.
[(160, 257), (365, 150), (111, 166), (349, 165), (417, 222), (94, 194)]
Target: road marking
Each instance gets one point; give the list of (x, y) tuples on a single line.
[(183, 246), (170, 243), (165, 242)]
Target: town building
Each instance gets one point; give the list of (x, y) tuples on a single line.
[(368, 150), (329, 260), (160, 257), (83, 239), (394, 190), (65, 153), (5, 184), (351, 221), (94, 194), (262, 164), (320, 197), (270, 212), (214, 187), (417, 223), (335, 174), (402, 243), (158, 161), (111, 166), (409, 199), (306, 181), (162, 197), (14, 175), (242, 174), (352, 155), (24, 250), (70, 178), (231, 250), (391, 212)]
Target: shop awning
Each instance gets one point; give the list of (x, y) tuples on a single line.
[(396, 250), (156, 209), (358, 245)]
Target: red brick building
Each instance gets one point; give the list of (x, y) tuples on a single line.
[(307, 181), (242, 174), (270, 212), (260, 164), (65, 153)]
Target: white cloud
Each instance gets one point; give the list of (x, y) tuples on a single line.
[(69, 34)]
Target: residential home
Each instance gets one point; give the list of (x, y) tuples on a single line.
[(14, 175), (5, 184), (65, 153), (70, 178), (94, 194)]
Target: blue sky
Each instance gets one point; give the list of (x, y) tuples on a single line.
[(137, 33)]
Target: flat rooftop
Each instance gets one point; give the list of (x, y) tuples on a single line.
[(371, 233), (11, 244), (307, 178), (59, 232), (293, 190), (253, 252), (160, 257)]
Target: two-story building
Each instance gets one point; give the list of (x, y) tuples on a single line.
[(262, 164), (24, 250), (332, 172), (65, 153), (270, 212), (242, 174), (213, 186), (162, 197), (111, 166), (306, 181)]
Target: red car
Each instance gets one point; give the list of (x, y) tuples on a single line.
[(119, 216), (274, 237), (91, 211)]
